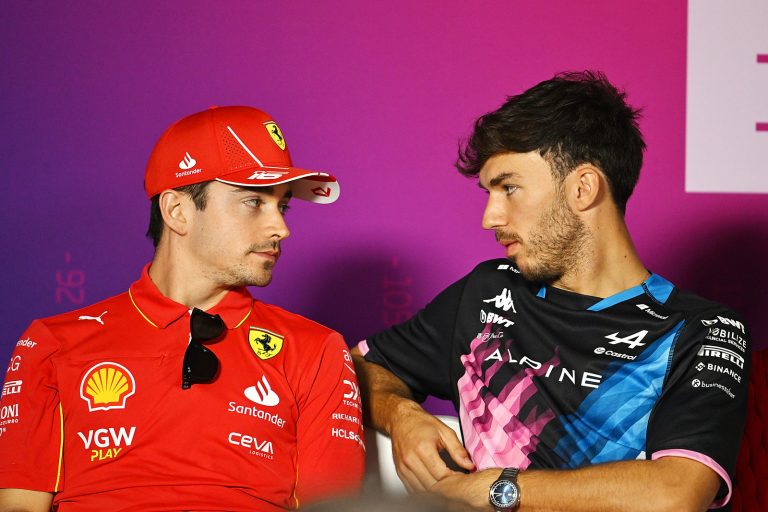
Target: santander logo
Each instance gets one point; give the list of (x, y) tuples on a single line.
[(188, 162)]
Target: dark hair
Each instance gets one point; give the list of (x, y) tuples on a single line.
[(198, 193), (572, 119)]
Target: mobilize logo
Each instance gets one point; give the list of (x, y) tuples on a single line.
[(255, 447), (12, 387), (508, 267), (651, 312), (187, 163), (108, 442), (726, 321), (493, 318), (503, 301), (721, 353)]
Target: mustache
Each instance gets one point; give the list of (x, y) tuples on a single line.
[(508, 236), (267, 246)]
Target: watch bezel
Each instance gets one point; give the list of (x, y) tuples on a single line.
[(515, 494)]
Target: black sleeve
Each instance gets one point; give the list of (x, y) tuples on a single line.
[(419, 350), (702, 408)]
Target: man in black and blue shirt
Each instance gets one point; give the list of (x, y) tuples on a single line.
[(592, 383)]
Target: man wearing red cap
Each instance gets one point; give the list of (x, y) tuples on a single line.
[(185, 393)]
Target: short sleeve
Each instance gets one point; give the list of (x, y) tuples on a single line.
[(418, 350), (31, 417), (331, 450), (701, 412)]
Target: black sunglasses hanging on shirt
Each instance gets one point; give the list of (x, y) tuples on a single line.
[(200, 364)]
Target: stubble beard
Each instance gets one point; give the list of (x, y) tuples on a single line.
[(555, 246)]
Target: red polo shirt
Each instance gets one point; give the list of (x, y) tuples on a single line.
[(93, 410)]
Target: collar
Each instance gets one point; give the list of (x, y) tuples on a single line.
[(160, 311)]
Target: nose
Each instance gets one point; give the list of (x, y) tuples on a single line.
[(278, 227), (494, 216)]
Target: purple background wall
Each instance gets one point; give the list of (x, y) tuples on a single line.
[(377, 94)]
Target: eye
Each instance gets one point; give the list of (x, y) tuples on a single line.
[(509, 189), (284, 208), (254, 202)]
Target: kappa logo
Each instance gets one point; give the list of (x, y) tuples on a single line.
[(187, 163), (265, 344), (503, 301), (95, 318), (107, 386), (633, 340), (276, 134), (262, 393)]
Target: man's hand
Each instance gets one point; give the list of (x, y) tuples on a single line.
[(417, 440), (417, 436)]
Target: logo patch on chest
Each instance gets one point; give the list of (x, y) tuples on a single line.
[(265, 344)]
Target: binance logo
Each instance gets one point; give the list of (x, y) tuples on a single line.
[(265, 344), (276, 134), (107, 386)]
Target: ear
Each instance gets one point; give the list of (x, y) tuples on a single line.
[(586, 187), (174, 207)]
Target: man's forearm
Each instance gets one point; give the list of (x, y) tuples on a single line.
[(668, 484), (383, 393)]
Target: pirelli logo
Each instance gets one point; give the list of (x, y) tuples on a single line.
[(721, 353)]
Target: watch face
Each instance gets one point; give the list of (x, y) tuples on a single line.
[(504, 494)]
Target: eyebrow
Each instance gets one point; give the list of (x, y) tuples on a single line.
[(265, 190), (498, 179)]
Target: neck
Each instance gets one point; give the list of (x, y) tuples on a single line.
[(609, 263), (182, 282)]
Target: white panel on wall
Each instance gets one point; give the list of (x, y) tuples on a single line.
[(727, 97)]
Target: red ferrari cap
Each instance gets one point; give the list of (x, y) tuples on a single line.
[(235, 145)]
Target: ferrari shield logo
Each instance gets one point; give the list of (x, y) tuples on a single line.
[(265, 344), (276, 134)]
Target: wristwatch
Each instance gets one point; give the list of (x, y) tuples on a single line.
[(504, 494)]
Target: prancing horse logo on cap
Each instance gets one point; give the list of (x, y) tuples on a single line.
[(276, 134)]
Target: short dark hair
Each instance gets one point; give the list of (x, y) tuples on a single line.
[(199, 195), (572, 119)]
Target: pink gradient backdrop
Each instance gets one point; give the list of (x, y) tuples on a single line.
[(378, 94)]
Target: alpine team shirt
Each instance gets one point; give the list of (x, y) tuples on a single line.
[(545, 378), (93, 409)]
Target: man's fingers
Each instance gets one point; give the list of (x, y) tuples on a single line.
[(455, 449)]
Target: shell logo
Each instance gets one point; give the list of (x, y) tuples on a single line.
[(107, 386)]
